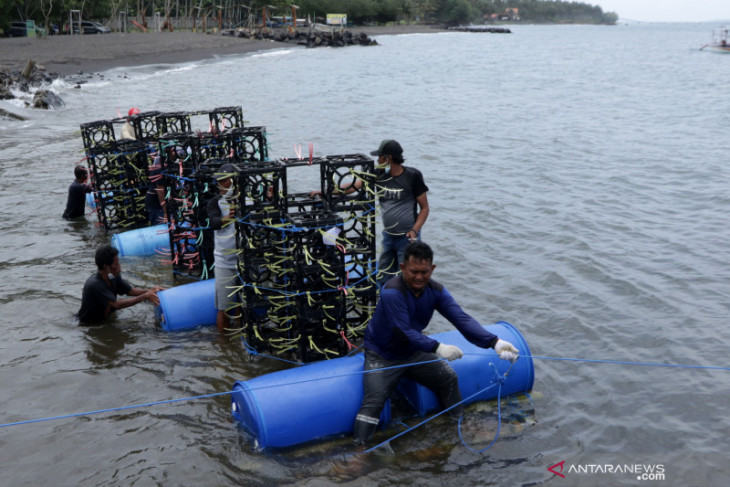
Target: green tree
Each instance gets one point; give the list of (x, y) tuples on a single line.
[(450, 12), (25, 9), (457, 12), (609, 18)]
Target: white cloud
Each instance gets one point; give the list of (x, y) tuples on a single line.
[(667, 10)]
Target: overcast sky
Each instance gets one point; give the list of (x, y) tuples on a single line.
[(667, 10)]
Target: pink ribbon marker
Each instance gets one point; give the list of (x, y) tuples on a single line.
[(350, 346)]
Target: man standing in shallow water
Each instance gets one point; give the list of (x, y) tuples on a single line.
[(404, 205), (99, 298), (76, 202), (402, 194), (222, 220)]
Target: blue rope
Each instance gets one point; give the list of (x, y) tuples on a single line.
[(168, 401), (73, 415), (354, 351), (500, 379), (292, 294), (622, 362), (121, 408), (252, 351)]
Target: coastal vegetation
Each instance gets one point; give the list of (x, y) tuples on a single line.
[(48, 13), (460, 12)]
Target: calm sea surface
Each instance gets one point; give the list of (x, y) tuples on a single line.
[(579, 189)]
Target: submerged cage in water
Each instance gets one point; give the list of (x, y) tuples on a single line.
[(306, 265)]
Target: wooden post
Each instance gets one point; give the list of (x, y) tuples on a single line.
[(28, 69)]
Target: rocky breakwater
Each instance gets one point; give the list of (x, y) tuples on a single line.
[(29, 79), (481, 28), (326, 37)]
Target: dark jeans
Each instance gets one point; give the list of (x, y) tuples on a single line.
[(393, 249), (156, 216), (437, 376)]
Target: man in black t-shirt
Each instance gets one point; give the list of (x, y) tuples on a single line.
[(99, 298), (404, 206), (403, 199), (76, 202)]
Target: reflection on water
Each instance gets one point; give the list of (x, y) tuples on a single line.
[(105, 342)]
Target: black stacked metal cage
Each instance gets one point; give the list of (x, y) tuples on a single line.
[(306, 264)]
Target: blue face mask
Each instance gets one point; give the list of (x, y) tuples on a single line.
[(387, 169)]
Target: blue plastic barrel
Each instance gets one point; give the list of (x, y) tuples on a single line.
[(188, 306), (142, 241), (475, 370), (294, 406), (90, 201)]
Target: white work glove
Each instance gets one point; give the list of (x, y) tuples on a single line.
[(506, 351), (449, 352)]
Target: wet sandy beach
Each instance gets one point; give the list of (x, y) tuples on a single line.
[(68, 55)]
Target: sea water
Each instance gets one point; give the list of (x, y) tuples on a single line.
[(578, 185)]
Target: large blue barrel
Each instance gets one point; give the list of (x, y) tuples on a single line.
[(297, 405), (188, 306), (475, 370), (142, 241)]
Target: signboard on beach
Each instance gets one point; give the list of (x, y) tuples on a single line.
[(336, 19)]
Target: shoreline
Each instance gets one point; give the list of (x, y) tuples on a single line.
[(67, 55)]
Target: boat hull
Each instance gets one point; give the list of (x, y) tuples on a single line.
[(720, 49)]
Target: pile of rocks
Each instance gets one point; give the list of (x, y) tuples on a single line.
[(28, 80), (311, 37), (481, 28)]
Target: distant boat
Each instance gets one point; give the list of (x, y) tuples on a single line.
[(720, 40)]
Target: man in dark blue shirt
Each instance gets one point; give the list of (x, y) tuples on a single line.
[(395, 343), (99, 298)]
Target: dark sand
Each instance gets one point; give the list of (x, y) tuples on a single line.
[(68, 55)]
